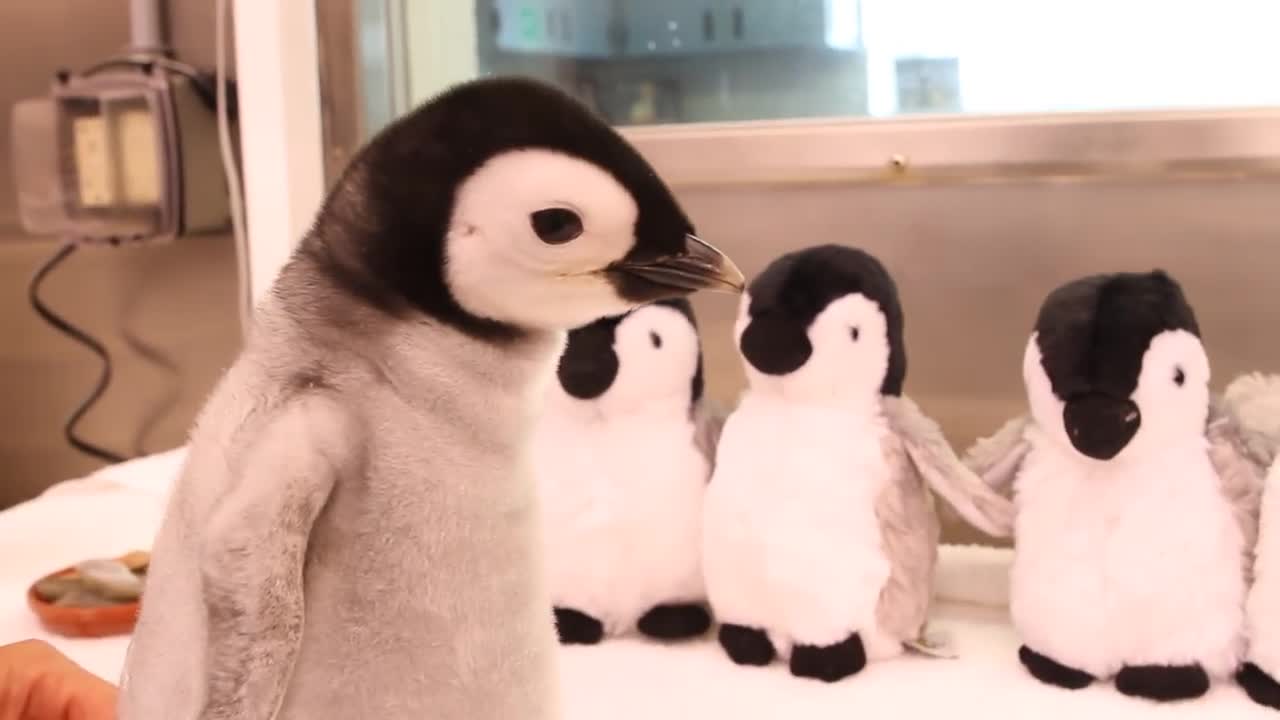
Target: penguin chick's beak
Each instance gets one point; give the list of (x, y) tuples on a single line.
[(699, 266), (1100, 426)]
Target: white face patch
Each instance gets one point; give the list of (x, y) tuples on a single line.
[(657, 352), (499, 268), (1171, 411), (849, 359)]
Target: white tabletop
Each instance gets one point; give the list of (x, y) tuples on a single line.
[(118, 509)]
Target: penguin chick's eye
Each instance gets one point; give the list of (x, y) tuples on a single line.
[(556, 226), (854, 334), (655, 339), (1179, 377)]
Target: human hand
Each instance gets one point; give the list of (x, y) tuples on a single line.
[(39, 683)]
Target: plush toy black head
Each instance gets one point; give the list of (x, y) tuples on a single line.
[(591, 362), (785, 299), (1093, 335), (503, 205)]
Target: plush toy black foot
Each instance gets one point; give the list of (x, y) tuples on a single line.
[(578, 628), (675, 622), (747, 646), (1053, 673), (1260, 686), (1163, 682), (831, 662)]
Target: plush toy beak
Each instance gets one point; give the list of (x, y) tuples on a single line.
[(1100, 426), (699, 266)]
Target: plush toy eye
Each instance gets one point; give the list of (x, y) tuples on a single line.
[(854, 333), (1179, 377), (655, 339), (556, 226)]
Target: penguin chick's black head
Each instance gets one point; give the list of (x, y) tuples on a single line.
[(796, 287), (1092, 334), (589, 364), (390, 228)]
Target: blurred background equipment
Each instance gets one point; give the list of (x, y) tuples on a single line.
[(122, 150)]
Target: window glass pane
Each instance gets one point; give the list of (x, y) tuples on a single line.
[(681, 61)]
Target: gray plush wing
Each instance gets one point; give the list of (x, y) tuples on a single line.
[(909, 534), (1253, 400), (708, 422), (933, 457), (998, 458), (1241, 458)]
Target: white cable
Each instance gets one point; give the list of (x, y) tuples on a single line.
[(232, 172)]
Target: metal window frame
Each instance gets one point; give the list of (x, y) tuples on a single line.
[(1052, 147)]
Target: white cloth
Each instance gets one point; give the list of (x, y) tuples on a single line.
[(118, 508)]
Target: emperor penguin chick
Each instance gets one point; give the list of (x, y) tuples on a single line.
[(623, 454), (1136, 495), (820, 537), (355, 533)]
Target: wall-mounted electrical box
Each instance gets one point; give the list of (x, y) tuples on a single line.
[(119, 156)]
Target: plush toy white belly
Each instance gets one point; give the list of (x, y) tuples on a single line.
[(1127, 564), (622, 505), (791, 543)]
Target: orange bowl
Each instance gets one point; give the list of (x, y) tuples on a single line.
[(85, 622)]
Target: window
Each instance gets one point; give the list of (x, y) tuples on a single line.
[(644, 62)]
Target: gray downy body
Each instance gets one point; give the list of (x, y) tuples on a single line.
[(447, 558)]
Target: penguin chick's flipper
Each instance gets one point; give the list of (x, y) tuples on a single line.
[(998, 458), (936, 461), (830, 663), (1165, 683), (578, 628), (1259, 686), (747, 646), (1241, 462), (254, 550), (708, 422), (1051, 672), (675, 622)]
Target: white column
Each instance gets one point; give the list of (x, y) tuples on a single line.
[(282, 158)]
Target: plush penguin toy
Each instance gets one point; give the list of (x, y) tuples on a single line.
[(623, 454), (355, 533), (1136, 495), (820, 535), (1260, 675), (1255, 400)]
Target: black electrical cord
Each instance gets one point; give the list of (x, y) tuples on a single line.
[(80, 336)]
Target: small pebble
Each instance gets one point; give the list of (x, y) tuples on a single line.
[(52, 588), (110, 579), (137, 560), (81, 597)]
